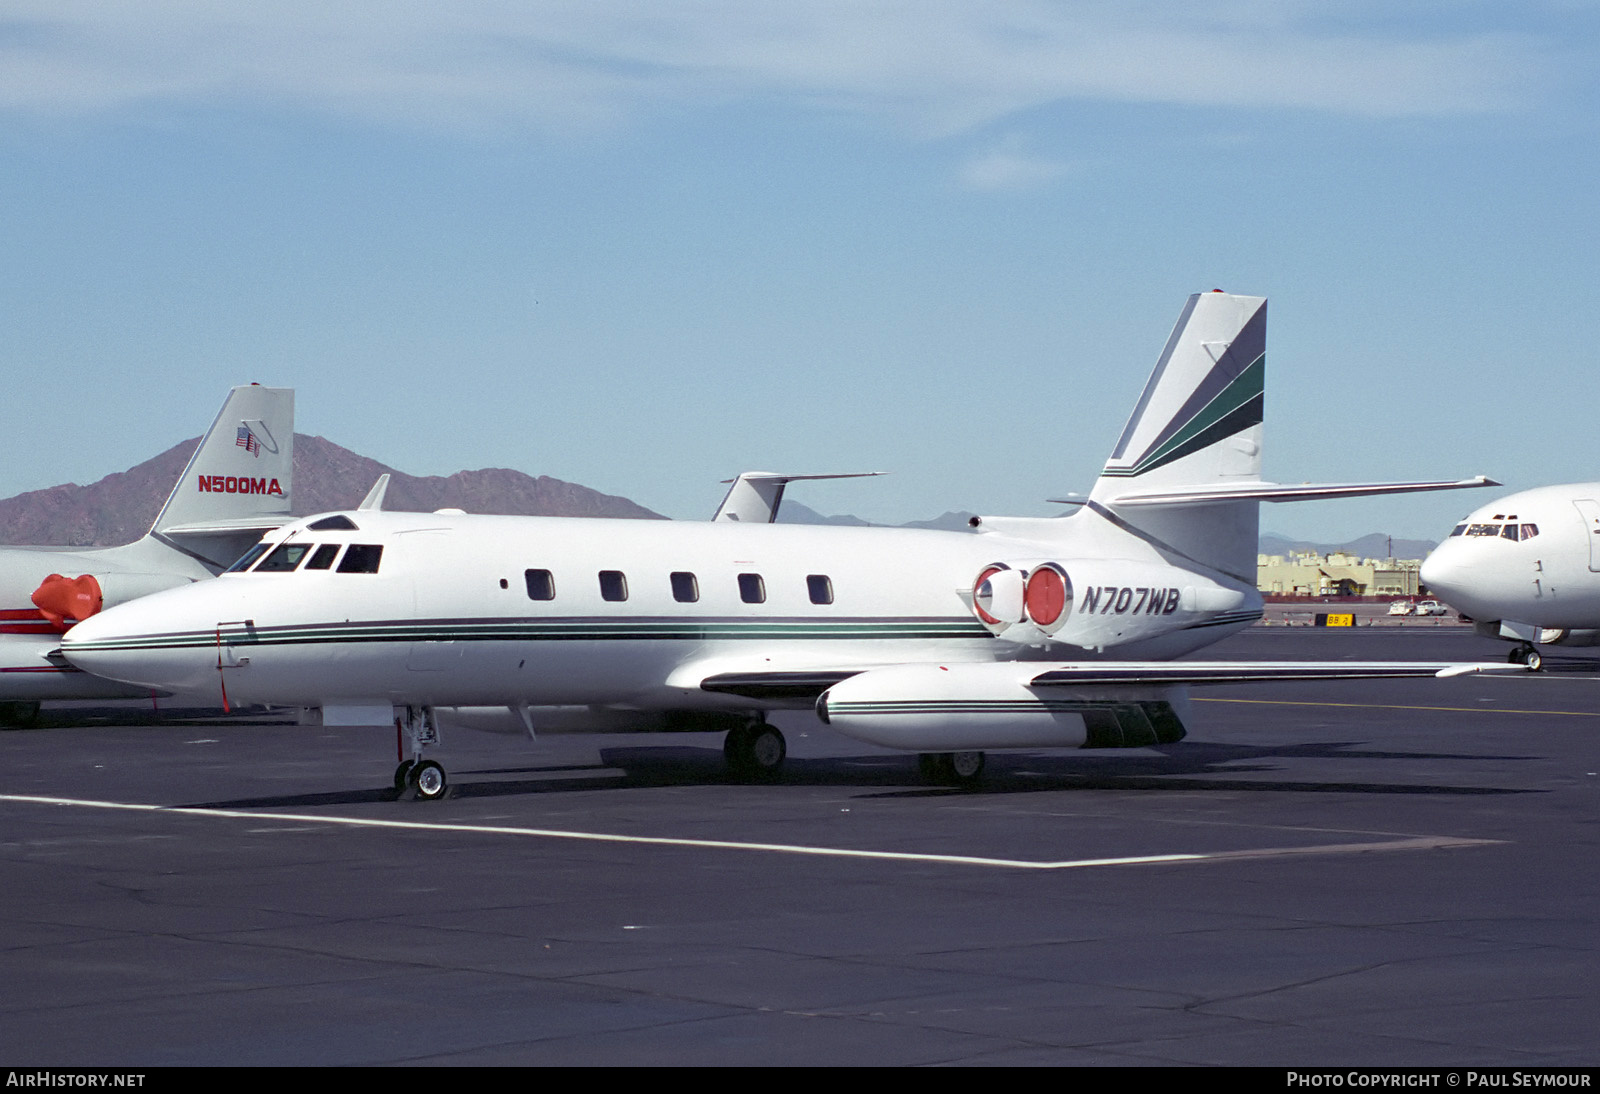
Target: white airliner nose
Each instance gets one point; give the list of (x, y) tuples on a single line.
[(1457, 574), (1440, 571)]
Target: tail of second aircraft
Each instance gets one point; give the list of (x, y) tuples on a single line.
[(238, 482)]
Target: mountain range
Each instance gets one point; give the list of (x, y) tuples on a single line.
[(121, 507)]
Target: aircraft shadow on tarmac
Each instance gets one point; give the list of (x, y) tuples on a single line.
[(1187, 767)]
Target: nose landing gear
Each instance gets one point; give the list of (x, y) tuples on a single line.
[(424, 779)]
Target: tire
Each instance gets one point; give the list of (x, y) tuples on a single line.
[(757, 750), (966, 768), (428, 780), (19, 715), (951, 768), (402, 775)]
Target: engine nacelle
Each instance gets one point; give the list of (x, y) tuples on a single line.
[(1570, 637), (962, 707), (1102, 603)]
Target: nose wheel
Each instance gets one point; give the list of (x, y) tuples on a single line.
[(428, 780), (423, 779)]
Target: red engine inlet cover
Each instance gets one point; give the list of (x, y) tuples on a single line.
[(68, 598), (1046, 595)]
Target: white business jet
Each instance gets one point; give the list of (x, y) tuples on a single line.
[(235, 487), (1031, 633), (1526, 569)]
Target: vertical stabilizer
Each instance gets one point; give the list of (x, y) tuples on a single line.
[(1197, 423), (240, 475)]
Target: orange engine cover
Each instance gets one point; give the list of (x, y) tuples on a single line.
[(66, 600)]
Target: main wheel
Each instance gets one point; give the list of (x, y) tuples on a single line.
[(966, 767), (18, 715), (427, 778), (755, 750), (951, 768), (402, 774)]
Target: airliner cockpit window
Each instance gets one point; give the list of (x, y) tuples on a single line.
[(1484, 530), (1529, 531), (361, 558), (1458, 529), (248, 558), (1509, 531), (284, 559)]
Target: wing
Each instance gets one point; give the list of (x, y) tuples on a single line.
[(1018, 704), (812, 683)]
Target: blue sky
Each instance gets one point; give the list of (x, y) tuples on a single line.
[(645, 246)]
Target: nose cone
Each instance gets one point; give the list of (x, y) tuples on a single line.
[(144, 642), (1441, 571), (1463, 573)]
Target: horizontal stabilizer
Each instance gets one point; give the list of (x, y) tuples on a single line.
[(755, 496), (227, 527), (1271, 491)]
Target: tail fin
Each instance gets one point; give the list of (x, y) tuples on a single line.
[(237, 484), (1197, 424)]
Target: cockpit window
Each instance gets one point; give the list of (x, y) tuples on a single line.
[(361, 558), (284, 559), (1529, 531), (1509, 531), (1458, 529), (248, 558), (323, 557), (1484, 530), (336, 523)]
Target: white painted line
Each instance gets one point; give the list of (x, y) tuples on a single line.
[(1412, 844)]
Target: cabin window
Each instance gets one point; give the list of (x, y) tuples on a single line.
[(284, 559), (336, 523), (752, 590), (322, 558), (249, 557), (361, 558), (685, 587), (541, 585), (821, 588), (613, 585)]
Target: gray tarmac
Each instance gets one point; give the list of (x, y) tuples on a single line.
[(1395, 873)]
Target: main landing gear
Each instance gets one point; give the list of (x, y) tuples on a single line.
[(964, 769), (425, 779), (756, 750), (1526, 654)]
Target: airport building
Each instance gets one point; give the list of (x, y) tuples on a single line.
[(1306, 573)]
